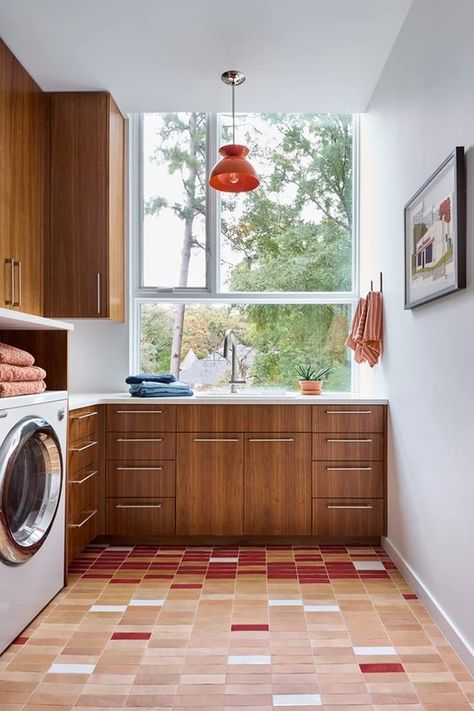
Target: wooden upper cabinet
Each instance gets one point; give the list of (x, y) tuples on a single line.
[(85, 255), (24, 121)]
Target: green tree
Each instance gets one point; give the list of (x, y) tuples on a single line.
[(182, 146)]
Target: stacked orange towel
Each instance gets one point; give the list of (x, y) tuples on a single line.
[(18, 375), (366, 334)]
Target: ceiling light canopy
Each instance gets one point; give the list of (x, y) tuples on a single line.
[(233, 173)]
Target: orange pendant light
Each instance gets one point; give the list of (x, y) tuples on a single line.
[(233, 173)]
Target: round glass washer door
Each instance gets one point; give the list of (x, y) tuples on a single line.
[(31, 474)]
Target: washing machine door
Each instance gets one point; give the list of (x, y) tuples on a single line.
[(31, 478)]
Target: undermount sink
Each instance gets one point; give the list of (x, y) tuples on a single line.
[(253, 393)]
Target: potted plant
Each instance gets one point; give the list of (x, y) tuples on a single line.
[(311, 379)]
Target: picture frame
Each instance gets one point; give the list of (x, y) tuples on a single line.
[(435, 234)]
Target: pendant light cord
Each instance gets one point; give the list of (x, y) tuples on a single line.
[(233, 113)]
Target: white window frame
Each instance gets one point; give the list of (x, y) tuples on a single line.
[(210, 293)]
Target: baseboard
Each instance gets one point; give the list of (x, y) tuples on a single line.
[(442, 619)]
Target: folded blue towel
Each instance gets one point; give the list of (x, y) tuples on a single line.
[(153, 389), (150, 378)]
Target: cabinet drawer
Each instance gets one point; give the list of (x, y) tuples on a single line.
[(348, 418), (81, 530), (140, 445), (348, 517), (84, 423), (210, 418), (82, 491), (140, 517), (83, 453), (277, 418), (129, 478), (348, 447), (348, 479), (141, 418)]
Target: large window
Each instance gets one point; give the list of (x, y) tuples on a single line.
[(276, 264)]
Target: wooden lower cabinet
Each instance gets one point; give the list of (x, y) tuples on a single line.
[(278, 484), (348, 479), (348, 518), (209, 484), (142, 479), (140, 517)]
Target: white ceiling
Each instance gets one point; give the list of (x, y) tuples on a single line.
[(167, 55)]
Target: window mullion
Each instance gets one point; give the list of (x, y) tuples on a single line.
[(212, 208)]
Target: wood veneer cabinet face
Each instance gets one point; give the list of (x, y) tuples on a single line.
[(140, 479), (278, 484), (348, 479), (348, 418), (210, 418), (348, 446), (141, 418), (139, 517), (209, 484), (137, 446), (348, 518)]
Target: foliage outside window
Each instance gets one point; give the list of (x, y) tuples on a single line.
[(287, 240)]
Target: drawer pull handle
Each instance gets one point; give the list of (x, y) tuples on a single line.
[(272, 439), (84, 417), (216, 439), (79, 525), (82, 449), (348, 412), (348, 440), (348, 469), (81, 481), (138, 506), (135, 439), (139, 469), (349, 506), (139, 412)]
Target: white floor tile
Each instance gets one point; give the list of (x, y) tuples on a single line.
[(297, 700), (223, 560), (250, 659), (108, 608), (146, 603), (71, 668), (374, 651), (285, 603), (368, 565), (322, 608)]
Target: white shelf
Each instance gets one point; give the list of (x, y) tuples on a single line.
[(17, 321)]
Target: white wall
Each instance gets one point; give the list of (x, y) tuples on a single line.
[(421, 109), (98, 356)]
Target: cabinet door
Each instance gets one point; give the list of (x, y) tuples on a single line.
[(278, 484), (77, 259), (209, 484), (6, 264)]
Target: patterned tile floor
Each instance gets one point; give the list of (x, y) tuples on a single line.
[(328, 627)]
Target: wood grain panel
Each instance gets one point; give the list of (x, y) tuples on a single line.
[(78, 244), (277, 418), (140, 479), (83, 491), (348, 479), (141, 418), (209, 485), (141, 445), (348, 447), (278, 484), (347, 518), (6, 160), (84, 423), (83, 453), (116, 214), (140, 517), (210, 418), (80, 532), (348, 418)]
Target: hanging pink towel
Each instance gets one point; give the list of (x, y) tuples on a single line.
[(366, 334), (15, 356)]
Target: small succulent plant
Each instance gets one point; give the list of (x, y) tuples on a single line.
[(309, 372)]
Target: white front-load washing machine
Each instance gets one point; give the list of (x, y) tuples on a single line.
[(32, 507)]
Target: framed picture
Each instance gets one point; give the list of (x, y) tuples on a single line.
[(435, 234)]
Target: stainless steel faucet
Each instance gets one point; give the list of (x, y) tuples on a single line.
[(230, 341)]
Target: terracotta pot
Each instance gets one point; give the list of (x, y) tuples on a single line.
[(311, 387)]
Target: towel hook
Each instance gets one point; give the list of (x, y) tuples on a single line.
[(380, 283)]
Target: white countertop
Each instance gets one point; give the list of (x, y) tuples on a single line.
[(77, 400)]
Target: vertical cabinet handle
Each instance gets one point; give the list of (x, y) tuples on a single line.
[(98, 292), (10, 261), (18, 265)]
